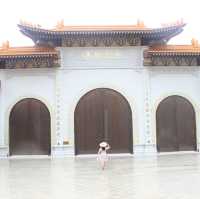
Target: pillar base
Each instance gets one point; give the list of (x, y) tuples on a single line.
[(145, 150), (4, 152), (62, 150)]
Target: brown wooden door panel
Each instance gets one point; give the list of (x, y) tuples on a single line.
[(103, 114), (29, 128), (175, 125), (166, 126), (118, 124), (89, 123), (185, 118)]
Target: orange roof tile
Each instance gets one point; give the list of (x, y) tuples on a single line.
[(61, 27), (138, 26), (101, 28), (175, 49), (20, 51)]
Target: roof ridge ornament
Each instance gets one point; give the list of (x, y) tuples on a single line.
[(140, 24), (195, 43), (176, 23), (60, 24), (6, 45), (26, 23)]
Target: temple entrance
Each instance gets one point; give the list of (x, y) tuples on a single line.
[(29, 128), (176, 127), (103, 114)]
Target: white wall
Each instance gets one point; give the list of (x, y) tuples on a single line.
[(2, 99), (76, 83), (28, 83), (102, 57), (87, 68), (183, 81), (84, 69)]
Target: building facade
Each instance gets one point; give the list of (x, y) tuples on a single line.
[(80, 85)]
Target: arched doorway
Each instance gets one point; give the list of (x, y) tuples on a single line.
[(103, 114), (176, 127), (29, 128)]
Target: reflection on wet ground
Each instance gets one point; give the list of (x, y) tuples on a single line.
[(162, 177)]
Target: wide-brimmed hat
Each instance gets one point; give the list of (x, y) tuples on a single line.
[(103, 144)]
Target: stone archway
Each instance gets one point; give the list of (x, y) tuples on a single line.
[(103, 114), (29, 128), (175, 124)]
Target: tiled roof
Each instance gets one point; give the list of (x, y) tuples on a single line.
[(61, 32), (101, 28), (61, 27), (26, 52), (106, 28), (28, 57), (194, 48)]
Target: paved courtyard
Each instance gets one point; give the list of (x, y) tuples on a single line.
[(164, 177)]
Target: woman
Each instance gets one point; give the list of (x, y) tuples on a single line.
[(102, 154)]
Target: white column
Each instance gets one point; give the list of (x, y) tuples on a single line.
[(149, 146), (3, 130), (61, 148), (2, 112), (59, 140)]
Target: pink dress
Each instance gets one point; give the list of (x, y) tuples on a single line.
[(102, 155)]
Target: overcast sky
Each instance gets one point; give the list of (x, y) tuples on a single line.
[(97, 12)]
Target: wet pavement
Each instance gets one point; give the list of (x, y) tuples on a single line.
[(162, 177)]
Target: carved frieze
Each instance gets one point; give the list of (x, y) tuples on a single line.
[(102, 40), (36, 62), (108, 41), (177, 60)]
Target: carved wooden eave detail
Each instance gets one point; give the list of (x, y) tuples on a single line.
[(172, 60), (28, 57), (173, 55), (67, 36)]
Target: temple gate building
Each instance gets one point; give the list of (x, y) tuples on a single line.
[(80, 85)]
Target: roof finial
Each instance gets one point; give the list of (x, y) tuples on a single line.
[(140, 23), (176, 23), (60, 24), (179, 22), (5, 45), (25, 23), (195, 43)]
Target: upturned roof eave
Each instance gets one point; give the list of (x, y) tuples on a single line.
[(36, 30), (27, 52)]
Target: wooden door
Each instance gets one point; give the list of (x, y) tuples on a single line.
[(89, 123), (29, 128), (186, 125), (176, 129), (103, 114)]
